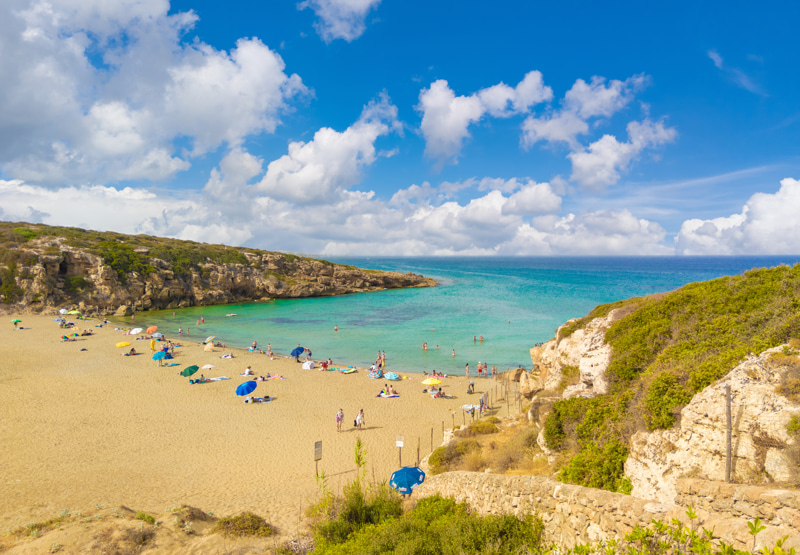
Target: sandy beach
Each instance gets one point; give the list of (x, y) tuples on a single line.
[(81, 428)]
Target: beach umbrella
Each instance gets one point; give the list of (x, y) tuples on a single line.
[(74, 312), (209, 339), (391, 376), (123, 344), (59, 320), (16, 321), (159, 355), (153, 345), (246, 388), (62, 311), (159, 334), (297, 351), (375, 374), (208, 366), (431, 381), (151, 329), (406, 479), (189, 370), (136, 331), (208, 348)]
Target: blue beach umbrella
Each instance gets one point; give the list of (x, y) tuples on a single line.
[(159, 355), (406, 479), (391, 376), (246, 388), (297, 351)]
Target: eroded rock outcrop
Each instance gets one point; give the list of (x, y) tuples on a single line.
[(584, 349), (762, 449), (74, 277)]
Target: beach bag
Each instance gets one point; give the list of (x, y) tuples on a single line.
[(355, 423)]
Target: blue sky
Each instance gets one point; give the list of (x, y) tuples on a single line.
[(367, 127)]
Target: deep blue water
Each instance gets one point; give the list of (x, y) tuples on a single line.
[(513, 302)]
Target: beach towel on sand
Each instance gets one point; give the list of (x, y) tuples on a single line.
[(385, 396), (210, 380)]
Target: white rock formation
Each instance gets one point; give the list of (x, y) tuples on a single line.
[(585, 348), (761, 447)]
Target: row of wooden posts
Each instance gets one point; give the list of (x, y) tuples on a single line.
[(501, 392)]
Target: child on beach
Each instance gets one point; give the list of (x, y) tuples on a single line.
[(339, 420)]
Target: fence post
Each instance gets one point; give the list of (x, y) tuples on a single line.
[(727, 433)]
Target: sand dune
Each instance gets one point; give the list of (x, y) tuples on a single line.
[(81, 428)]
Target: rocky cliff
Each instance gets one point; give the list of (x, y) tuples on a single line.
[(120, 273), (761, 447)]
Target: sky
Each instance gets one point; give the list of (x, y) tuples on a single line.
[(389, 128)]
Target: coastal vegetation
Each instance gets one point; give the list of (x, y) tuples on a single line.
[(45, 266), (665, 349)]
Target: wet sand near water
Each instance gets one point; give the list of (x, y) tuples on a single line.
[(86, 428)]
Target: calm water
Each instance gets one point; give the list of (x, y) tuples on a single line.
[(513, 302)]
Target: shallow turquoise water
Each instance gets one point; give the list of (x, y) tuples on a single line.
[(513, 302)]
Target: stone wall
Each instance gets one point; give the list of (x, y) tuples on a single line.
[(574, 515)]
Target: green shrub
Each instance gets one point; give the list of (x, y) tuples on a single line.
[(123, 259), (24, 234), (665, 394), (793, 427), (243, 524), (444, 457), (73, 284), (599, 467), (441, 526), (357, 509), (145, 517)]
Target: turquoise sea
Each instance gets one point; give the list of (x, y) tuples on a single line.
[(513, 302)]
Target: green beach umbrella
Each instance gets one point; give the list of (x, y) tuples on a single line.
[(16, 321), (74, 312), (188, 371)]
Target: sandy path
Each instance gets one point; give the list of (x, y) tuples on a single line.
[(80, 428)]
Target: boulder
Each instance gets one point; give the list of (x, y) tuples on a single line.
[(123, 310), (528, 385)]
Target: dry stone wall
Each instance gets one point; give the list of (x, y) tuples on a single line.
[(575, 515)]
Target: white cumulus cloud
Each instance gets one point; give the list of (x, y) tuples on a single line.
[(446, 117), (768, 224), (601, 163), (340, 19), (315, 171), (101, 91)]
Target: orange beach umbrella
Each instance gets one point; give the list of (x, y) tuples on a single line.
[(151, 329)]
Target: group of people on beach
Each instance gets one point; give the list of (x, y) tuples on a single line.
[(358, 423), (483, 370)]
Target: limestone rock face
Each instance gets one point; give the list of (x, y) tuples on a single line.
[(586, 349), (762, 449), (75, 277), (528, 386)]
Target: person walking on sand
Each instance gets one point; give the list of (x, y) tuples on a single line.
[(466, 370), (360, 419), (339, 420)]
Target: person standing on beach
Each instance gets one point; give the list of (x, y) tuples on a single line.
[(466, 370), (360, 419), (180, 332), (339, 420)]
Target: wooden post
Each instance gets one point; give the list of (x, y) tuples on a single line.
[(727, 433), (464, 414), (454, 420)]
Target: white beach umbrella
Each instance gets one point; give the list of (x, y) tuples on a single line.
[(134, 331)]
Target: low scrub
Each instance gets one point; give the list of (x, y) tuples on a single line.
[(243, 524), (481, 427)]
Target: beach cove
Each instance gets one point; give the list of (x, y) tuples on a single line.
[(82, 428)]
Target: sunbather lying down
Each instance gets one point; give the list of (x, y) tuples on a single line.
[(67, 338), (266, 399)]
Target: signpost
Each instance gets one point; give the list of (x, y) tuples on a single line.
[(317, 454), (399, 444)]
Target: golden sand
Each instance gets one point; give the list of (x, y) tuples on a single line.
[(86, 428)]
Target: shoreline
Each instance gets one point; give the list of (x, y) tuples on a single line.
[(92, 427)]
